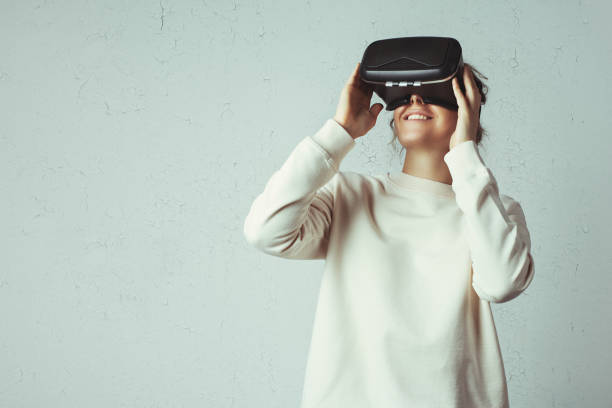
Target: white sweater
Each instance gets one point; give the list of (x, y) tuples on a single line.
[(411, 265)]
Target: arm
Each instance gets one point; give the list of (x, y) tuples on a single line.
[(497, 233), (291, 217)]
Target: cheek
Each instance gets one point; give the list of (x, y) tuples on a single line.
[(450, 120)]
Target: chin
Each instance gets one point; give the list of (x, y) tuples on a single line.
[(409, 138)]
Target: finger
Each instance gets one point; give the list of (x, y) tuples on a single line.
[(366, 87), (376, 109), (354, 78), (458, 94), (468, 81)]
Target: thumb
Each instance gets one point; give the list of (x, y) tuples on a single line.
[(376, 109)]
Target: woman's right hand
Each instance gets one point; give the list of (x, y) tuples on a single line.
[(354, 112)]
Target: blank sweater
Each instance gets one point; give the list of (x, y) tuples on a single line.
[(403, 317)]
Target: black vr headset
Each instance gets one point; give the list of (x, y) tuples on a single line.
[(398, 67)]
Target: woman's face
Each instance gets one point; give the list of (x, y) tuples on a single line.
[(436, 131)]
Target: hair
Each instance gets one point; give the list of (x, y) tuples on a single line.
[(482, 88)]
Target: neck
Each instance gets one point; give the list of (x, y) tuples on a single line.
[(427, 164)]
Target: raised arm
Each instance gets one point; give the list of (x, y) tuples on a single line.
[(291, 217), (497, 233)]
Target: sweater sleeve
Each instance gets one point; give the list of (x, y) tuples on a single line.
[(292, 216), (500, 245)]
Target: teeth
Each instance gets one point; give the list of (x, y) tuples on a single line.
[(416, 116)]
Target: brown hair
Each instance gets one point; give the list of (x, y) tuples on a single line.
[(482, 87)]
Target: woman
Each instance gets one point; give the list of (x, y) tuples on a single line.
[(412, 258)]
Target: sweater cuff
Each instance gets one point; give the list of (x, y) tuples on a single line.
[(464, 161), (334, 139)]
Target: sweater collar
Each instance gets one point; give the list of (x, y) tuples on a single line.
[(405, 182)]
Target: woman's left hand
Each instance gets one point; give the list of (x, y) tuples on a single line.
[(468, 115)]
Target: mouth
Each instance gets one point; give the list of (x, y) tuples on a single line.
[(416, 117), (416, 114)]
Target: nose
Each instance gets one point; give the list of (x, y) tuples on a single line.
[(416, 97)]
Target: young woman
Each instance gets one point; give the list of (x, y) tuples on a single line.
[(413, 259)]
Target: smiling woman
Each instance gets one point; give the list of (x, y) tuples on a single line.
[(426, 109), (413, 258)]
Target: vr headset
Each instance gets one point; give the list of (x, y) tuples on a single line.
[(398, 67)]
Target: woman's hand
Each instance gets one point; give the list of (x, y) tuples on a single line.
[(468, 116), (354, 112)]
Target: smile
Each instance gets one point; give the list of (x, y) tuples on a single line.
[(416, 117)]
